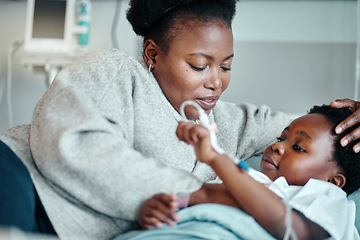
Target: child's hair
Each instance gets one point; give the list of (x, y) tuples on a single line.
[(154, 19), (343, 156)]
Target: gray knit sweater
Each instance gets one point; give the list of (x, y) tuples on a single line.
[(102, 140)]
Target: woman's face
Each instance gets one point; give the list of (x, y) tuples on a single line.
[(196, 66)]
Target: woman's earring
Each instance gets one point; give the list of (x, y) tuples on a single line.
[(150, 69)]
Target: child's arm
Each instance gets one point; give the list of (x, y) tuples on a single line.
[(261, 203), (161, 208), (253, 197)]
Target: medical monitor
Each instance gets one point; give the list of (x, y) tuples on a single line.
[(49, 27)]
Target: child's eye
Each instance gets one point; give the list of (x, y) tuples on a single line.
[(279, 139), (298, 148)]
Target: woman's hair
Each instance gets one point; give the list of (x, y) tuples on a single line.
[(155, 19), (345, 157)]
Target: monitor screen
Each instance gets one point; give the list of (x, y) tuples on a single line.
[(49, 26), (49, 19)]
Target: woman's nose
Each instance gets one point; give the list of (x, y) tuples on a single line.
[(215, 81), (278, 147)]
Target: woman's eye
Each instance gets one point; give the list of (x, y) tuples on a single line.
[(226, 69), (198, 68), (298, 148), (279, 139)]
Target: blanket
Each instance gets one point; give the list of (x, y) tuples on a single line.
[(206, 221)]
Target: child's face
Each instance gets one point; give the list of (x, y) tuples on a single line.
[(304, 151)]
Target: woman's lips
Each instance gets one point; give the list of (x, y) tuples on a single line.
[(207, 103)]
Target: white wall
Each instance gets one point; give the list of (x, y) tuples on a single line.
[(28, 86), (288, 54), (291, 55), (296, 21)]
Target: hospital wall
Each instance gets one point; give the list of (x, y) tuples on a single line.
[(289, 55)]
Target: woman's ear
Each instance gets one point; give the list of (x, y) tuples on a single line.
[(338, 179), (150, 52)]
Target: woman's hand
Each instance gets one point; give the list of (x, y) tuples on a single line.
[(159, 209), (199, 137), (349, 122)]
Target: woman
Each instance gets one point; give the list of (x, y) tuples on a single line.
[(102, 139)]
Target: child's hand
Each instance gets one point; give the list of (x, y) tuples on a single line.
[(159, 209), (199, 137)]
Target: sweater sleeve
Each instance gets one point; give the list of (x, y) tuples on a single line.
[(82, 139), (246, 130)]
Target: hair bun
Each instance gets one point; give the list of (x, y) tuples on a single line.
[(142, 14)]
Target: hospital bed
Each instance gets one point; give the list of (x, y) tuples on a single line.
[(212, 219)]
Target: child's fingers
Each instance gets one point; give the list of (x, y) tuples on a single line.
[(159, 215), (166, 206), (168, 199), (199, 132), (199, 137), (182, 132), (190, 132), (150, 222), (159, 209)]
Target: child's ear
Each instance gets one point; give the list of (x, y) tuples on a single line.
[(150, 52), (338, 179)]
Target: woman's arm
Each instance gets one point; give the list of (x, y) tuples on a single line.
[(92, 138)]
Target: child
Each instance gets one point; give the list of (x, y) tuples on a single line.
[(307, 151)]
